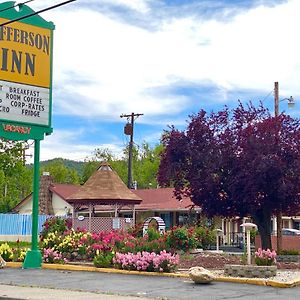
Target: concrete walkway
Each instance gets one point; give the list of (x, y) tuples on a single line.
[(36, 293)]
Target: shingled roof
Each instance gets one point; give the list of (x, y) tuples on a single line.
[(104, 187), (162, 199)]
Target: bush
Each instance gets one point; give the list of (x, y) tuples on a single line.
[(6, 252), (265, 257), (181, 238), (136, 231), (55, 225), (289, 252), (103, 259), (152, 234), (204, 236), (53, 257), (9, 253), (146, 261)]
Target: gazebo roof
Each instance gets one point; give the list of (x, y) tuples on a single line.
[(104, 187)]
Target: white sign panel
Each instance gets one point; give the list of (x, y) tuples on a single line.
[(116, 223), (24, 103)]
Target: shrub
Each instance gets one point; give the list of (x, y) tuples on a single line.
[(53, 257), (146, 261), (19, 254), (152, 234), (103, 259), (204, 236), (265, 257), (6, 252), (289, 252), (51, 240), (181, 238), (136, 231), (55, 225)]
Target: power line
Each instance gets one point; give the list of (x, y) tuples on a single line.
[(18, 4), (267, 96), (37, 12)]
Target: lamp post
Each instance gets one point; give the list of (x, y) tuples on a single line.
[(248, 227), (219, 232), (291, 104)]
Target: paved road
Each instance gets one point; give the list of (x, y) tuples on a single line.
[(133, 285)]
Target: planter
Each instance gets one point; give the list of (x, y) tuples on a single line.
[(250, 271), (288, 258)]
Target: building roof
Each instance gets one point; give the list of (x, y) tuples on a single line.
[(64, 190), (161, 199), (104, 187)]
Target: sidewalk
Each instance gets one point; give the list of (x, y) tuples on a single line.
[(37, 293)]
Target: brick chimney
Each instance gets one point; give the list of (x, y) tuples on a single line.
[(45, 201)]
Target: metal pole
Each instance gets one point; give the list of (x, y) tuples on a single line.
[(278, 214), (248, 247), (33, 259)]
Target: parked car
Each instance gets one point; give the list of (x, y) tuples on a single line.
[(290, 231)]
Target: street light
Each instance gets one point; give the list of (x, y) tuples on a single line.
[(291, 104), (248, 227), (291, 101)]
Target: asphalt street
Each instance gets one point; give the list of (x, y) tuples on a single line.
[(117, 285)]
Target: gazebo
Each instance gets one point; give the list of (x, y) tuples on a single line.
[(103, 191)]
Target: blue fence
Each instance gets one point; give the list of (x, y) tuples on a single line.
[(14, 224)]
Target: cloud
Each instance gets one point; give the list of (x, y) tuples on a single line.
[(64, 143), (167, 61), (104, 66)]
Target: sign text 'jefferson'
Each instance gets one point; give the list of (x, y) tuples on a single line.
[(25, 54)]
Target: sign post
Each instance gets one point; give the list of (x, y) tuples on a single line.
[(26, 92)]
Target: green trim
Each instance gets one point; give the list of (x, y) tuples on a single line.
[(24, 10), (51, 80), (35, 132)]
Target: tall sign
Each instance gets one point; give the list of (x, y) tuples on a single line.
[(25, 74), (26, 91)]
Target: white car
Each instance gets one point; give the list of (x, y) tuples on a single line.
[(290, 231)]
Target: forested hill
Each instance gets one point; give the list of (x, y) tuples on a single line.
[(70, 164)]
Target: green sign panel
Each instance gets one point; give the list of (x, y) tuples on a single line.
[(25, 74), (26, 92)]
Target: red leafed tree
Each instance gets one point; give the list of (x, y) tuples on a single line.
[(236, 163)]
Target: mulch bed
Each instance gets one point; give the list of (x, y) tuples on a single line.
[(217, 261)]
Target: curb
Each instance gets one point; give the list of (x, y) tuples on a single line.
[(255, 281), (101, 270)]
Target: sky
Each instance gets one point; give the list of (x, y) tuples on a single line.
[(166, 59)]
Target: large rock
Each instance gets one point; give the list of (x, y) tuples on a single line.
[(2, 262), (201, 275)]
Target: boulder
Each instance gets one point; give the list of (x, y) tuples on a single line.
[(201, 275)]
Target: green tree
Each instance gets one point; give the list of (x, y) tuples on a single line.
[(145, 164), (15, 177), (61, 173)]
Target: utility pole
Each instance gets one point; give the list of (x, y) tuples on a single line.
[(128, 130), (279, 213)]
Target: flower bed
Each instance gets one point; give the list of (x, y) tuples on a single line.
[(145, 261), (59, 243)]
